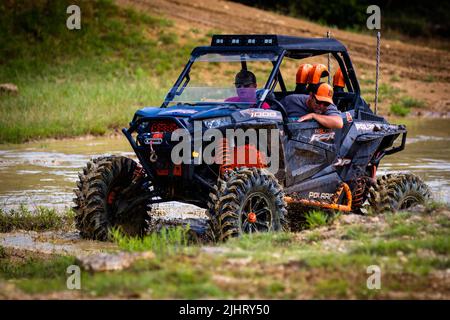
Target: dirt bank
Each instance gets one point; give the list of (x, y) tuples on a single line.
[(424, 72)]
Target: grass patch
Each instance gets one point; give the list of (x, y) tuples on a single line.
[(259, 241), (333, 287), (166, 241), (41, 219), (409, 102), (355, 233), (316, 218), (399, 110), (395, 78), (36, 274), (403, 106), (266, 266), (87, 81), (440, 244)]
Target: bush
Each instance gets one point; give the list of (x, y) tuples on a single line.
[(409, 102), (40, 219), (399, 110)]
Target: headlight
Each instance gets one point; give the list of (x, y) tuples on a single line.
[(217, 122), (143, 127)]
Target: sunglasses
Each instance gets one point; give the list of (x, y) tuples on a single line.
[(321, 103), (242, 85)]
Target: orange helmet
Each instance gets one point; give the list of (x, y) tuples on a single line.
[(318, 71), (338, 79), (303, 73)]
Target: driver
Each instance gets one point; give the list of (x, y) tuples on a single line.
[(245, 83), (318, 105)]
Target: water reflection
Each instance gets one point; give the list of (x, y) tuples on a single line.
[(44, 173)]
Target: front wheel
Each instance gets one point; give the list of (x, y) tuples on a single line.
[(110, 194), (250, 200)]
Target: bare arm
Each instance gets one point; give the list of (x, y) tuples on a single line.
[(332, 122)]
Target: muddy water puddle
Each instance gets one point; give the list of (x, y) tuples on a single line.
[(44, 173)]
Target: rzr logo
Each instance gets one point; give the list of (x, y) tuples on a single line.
[(322, 137), (341, 162)]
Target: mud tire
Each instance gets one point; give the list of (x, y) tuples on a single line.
[(394, 192), (96, 213), (240, 191)]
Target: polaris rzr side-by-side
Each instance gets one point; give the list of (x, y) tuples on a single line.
[(245, 163)]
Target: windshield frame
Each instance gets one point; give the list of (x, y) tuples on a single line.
[(183, 78)]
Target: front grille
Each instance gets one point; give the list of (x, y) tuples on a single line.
[(163, 126)]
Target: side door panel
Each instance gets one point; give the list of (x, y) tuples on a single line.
[(310, 149)]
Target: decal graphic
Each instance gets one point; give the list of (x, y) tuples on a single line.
[(320, 195), (349, 117), (322, 137), (342, 162), (258, 113), (364, 126)]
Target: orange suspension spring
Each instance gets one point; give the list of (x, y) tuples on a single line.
[(224, 155)]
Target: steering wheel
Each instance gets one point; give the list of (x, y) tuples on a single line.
[(277, 106)]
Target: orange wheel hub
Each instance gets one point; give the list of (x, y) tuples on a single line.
[(251, 217)]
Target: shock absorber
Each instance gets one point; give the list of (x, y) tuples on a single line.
[(224, 155)]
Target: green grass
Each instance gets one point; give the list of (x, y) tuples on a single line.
[(40, 219), (399, 110), (89, 81), (408, 247), (316, 219), (166, 241), (409, 102), (395, 78), (37, 274), (402, 107)]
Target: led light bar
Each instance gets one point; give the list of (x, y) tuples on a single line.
[(244, 40)]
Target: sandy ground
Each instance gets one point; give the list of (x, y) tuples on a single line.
[(424, 72)]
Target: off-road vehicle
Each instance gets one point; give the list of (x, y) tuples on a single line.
[(317, 167)]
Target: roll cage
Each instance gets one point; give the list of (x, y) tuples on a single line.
[(283, 46)]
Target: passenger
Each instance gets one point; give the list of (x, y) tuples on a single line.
[(318, 105), (301, 78), (245, 83)]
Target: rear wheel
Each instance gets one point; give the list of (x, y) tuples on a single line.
[(248, 200), (111, 194), (394, 192)]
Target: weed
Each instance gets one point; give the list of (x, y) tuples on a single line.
[(316, 218), (166, 241), (429, 78), (409, 102), (38, 220), (395, 78), (399, 110)]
